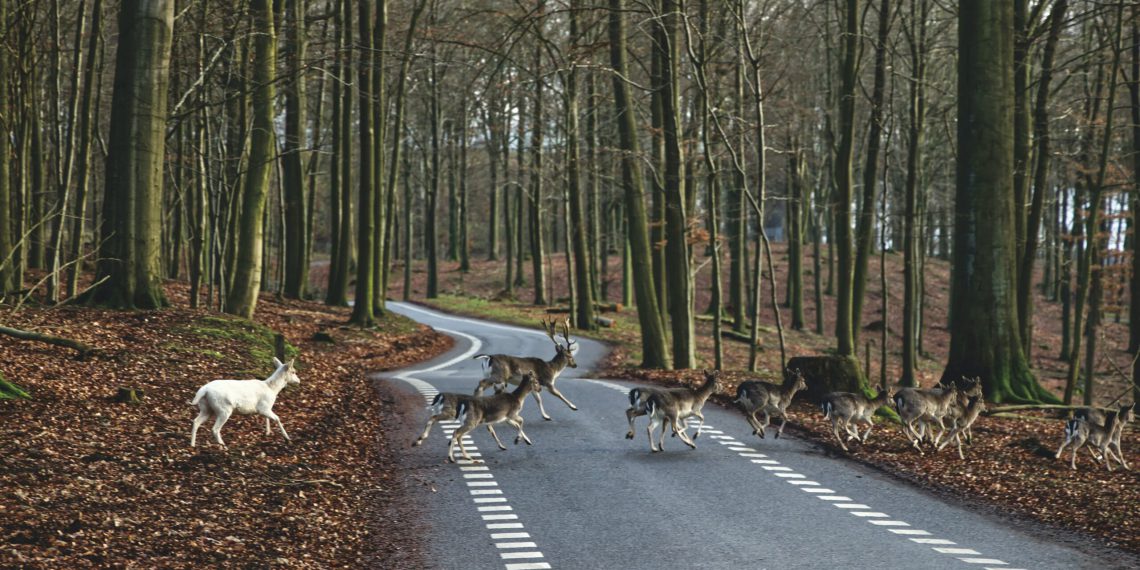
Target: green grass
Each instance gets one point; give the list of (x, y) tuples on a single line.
[(256, 341)]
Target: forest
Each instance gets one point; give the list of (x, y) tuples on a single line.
[(709, 162)]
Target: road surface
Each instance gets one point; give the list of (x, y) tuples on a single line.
[(585, 497)]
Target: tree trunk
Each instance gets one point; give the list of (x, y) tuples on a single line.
[(917, 111), (242, 299), (292, 159), (1040, 178), (653, 350), (584, 293), (795, 236), (132, 207), (8, 265), (431, 238), (983, 329), (363, 302), (866, 224), (844, 182), (676, 218)]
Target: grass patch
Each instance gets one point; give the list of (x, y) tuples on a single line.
[(256, 341), (10, 391)]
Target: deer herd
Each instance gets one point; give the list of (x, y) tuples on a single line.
[(934, 416)]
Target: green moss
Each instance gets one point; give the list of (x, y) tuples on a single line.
[(10, 391), (171, 347), (256, 340)]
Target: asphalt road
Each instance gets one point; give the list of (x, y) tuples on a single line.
[(585, 497)]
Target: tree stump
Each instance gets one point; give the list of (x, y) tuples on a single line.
[(129, 395), (829, 373)]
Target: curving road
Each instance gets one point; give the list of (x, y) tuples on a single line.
[(585, 497)]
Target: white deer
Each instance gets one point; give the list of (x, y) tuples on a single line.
[(222, 398)]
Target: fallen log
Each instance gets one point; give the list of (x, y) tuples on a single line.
[(83, 349)]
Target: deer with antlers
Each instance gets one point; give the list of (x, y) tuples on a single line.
[(504, 368)]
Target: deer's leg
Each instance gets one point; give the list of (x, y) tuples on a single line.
[(219, 421), (1080, 441), (1068, 439), (1120, 455), (630, 414), (457, 440), (427, 429), (517, 422), (684, 436), (653, 423), (269, 415), (203, 415), (538, 398), (835, 430), (701, 425), (870, 426), (559, 395), (783, 421), (491, 429), (483, 384)]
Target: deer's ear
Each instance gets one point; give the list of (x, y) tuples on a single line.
[(290, 363), (277, 362)]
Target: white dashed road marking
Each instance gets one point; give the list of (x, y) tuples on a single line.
[(773, 467), (478, 478)]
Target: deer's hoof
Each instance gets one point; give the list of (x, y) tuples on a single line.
[(547, 418), (629, 436), (575, 408), (777, 435)]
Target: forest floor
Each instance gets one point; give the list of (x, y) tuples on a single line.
[(1009, 468), (89, 482)]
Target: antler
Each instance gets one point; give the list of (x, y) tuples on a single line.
[(566, 334), (550, 328)]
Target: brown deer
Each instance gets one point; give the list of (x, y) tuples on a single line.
[(848, 410), (489, 411), (756, 397), (639, 400), (504, 368), (671, 407)]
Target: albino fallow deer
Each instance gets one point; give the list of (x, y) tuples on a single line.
[(756, 397), (848, 410), (504, 368), (489, 411)]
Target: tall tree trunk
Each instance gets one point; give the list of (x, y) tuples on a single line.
[(1134, 282), (795, 236), (584, 300), (378, 48), (132, 207), (916, 37), (293, 159), (844, 324), (1040, 178), (340, 179), (1096, 226), (242, 299), (866, 225), (653, 351), (537, 250), (431, 239), (679, 280), (8, 261), (363, 301), (983, 329)]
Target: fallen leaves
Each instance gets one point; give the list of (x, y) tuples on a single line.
[(88, 482)]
